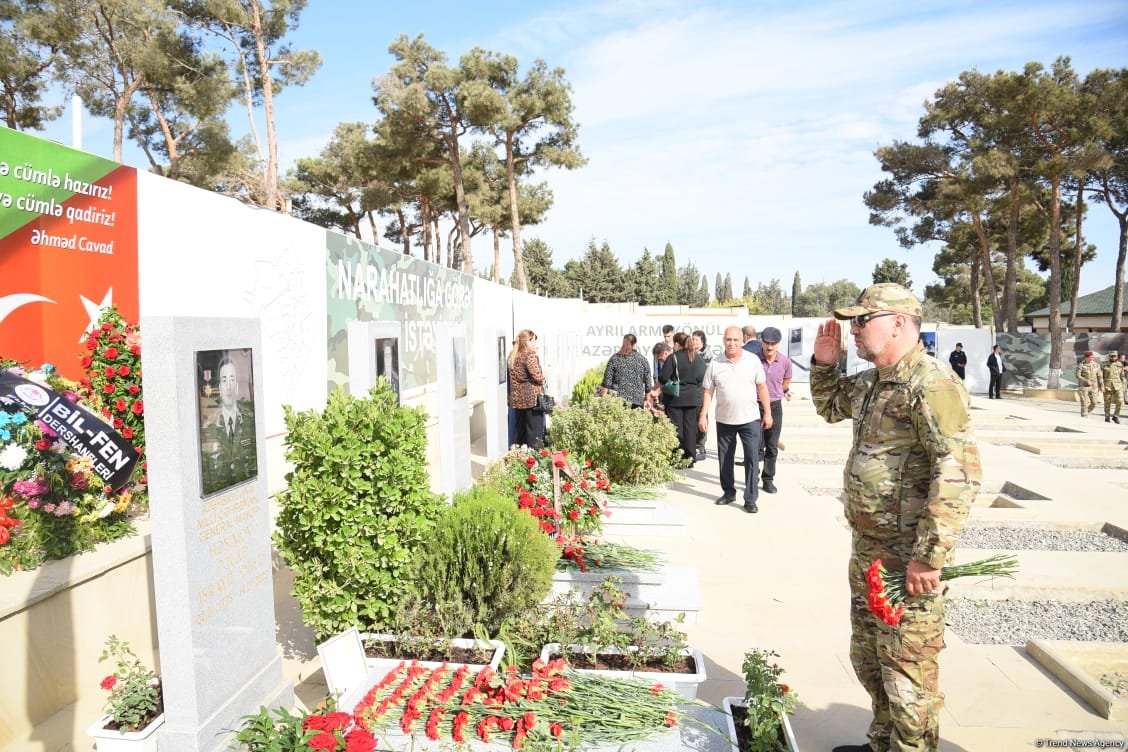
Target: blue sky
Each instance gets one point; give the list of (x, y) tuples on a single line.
[(741, 132)]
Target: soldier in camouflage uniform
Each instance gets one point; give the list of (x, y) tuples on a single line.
[(1113, 374), (1090, 383), (909, 482)]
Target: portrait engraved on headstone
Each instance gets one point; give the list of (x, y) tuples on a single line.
[(502, 361), (458, 352), (226, 401), (387, 363)]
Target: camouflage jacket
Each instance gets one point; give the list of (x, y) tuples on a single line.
[(1113, 376), (1089, 375), (913, 471)]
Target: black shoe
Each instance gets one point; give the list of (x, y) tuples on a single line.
[(1107, 419), (853, 748), (700, 455), (750, 507), (721, 501), (1116, 420), (769, 487)]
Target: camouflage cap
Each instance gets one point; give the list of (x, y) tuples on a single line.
[(884, 296)]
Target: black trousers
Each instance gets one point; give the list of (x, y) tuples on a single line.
[(530, 428), (750, 435), (770, 445), (685, 423), (994, 385)]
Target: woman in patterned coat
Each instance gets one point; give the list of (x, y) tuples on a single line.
[(526, 382)]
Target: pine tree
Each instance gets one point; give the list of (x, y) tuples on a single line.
[(726, 288), (747, 288), (668, 283), (796, 294)]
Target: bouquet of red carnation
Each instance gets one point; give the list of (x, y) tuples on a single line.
[(886, 590)]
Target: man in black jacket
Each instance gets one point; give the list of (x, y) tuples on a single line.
[(997, 368), (958, 361)]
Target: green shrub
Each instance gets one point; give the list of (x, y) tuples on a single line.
[(357, 508), (486, 560), (633, 446), (584, 390), (766, 698)]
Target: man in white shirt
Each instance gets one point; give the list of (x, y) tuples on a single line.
[(737, 380)]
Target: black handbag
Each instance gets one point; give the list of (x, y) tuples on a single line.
[(545, 404), (672, 388)]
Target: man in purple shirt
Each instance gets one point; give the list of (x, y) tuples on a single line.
[(777, 369)]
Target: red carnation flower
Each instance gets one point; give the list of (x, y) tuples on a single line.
[(91, 343), (135, 349), (118, 423), (108, 389), (107, 326), (43, 445), (124, 370), (86, 361), (127, 433), (360, 740), (109, 682), (109, 372), (506, 723), (133, 389), (531, 462), (324, 740), (110, 353), (119, 405), (138, 407)]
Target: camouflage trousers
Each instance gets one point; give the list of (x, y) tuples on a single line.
[(898, 666), (1088, 399), (1113, 401)]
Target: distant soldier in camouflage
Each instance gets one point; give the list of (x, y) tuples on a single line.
[(1113, 374), (909, 482), (1090, 383)]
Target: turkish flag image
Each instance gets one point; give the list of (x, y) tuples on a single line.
[(70, 249)]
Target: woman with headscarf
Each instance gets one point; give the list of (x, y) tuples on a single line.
[(526, 383)]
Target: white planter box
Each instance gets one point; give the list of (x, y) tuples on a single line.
[(144, 740), (387, 664), (684, 684), (788, 734)]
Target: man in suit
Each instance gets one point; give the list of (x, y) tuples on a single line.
[(997, 367)]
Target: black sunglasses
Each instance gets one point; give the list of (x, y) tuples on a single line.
[(861, 321)]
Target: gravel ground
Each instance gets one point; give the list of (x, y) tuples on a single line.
[(1034, 539), (823, 490), (1012, 622)]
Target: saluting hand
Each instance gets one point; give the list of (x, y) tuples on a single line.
[(828, 343)]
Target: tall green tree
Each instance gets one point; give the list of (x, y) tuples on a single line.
[(642, 280), (264, 62), (702, 298), (796, 294), (719, 288), (25, 62), (728, 288), (669, 285), (599, 274), (748, 288), (529, 117), (333, 190), (888, 270), (689, 283), (543, 279), (1108, 89), (768, 299)]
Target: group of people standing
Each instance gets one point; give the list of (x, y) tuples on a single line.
[(1095, 379), (747, 383)]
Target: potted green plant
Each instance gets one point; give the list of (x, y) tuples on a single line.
[(134, 708), (759, 721), (599, 636)]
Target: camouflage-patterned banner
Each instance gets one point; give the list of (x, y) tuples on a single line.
[(367, 283), (1028, 356)]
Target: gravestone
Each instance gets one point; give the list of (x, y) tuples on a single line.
[(374, 351), (497, 394), (454, 410), (212, 570)]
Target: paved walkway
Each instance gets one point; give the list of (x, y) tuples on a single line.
[(777, 580)]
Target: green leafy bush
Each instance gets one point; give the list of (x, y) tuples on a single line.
[(633, 446), (766, 699), (584, 390), (485, 561), (357, 509)]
